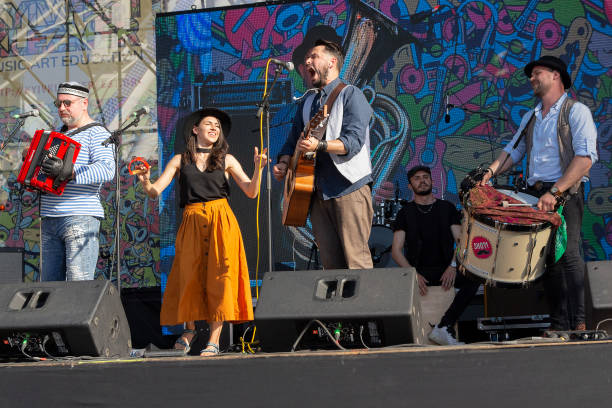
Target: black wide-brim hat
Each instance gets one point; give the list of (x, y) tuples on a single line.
[(553, 63), (322, 32), (196, 116)]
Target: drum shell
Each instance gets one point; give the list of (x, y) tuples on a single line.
[(503, 254), (386, 211)]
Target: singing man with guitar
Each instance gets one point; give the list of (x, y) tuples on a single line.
[(341, 202)]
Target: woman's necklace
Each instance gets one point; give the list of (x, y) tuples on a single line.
[(203, 149), (428, 210)]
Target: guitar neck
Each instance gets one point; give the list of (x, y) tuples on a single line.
[(314, 128)]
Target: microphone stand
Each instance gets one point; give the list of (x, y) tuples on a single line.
[(115, 139), (20, 123), (478, 112), (481, 113), (264, 106)]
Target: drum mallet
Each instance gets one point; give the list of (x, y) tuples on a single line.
[(506, 204)]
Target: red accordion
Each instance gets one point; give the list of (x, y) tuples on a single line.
[(44, 144)]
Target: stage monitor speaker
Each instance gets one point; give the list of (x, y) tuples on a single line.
[(83, 318), (11, 265), (598, 295), (373, 307)]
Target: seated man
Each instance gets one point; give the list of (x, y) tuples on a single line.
[(424, 233)]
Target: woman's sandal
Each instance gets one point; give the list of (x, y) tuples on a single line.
[(213, 351), (182, 341)]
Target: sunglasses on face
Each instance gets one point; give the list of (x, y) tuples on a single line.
[(65, 102)]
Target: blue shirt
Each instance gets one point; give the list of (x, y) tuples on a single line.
[(356, 119), (94, 165), (545, 161)]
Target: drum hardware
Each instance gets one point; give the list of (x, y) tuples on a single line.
[(498, 228), (314, 256), (380, 244), (532, 245), (376, 258), (386, 211)]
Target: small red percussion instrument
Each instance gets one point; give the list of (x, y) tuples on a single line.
[(44, 144), (135, 161)]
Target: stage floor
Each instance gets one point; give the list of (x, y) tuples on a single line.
[(572, 374)]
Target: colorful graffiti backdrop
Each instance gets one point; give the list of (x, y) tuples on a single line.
[(471, 52), (108, 45)]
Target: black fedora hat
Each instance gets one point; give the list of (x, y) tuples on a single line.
[(323, 32), (553, 63), (194, 117)]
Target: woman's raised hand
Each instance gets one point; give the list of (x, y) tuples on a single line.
[(142, 172), (263, 157)]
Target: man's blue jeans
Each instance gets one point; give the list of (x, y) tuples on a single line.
[(70, 248)]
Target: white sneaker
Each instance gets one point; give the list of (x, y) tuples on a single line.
[(441, 336)]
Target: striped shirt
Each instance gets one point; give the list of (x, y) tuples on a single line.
[(94, 165)]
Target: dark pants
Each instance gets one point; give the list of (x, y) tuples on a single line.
[(467, 290), (564, 280)]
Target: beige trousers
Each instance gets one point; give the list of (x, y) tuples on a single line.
[(341, 227)]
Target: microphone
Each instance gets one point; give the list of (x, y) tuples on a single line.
[(420, 16), (27, 114), (288, 65), (142, 111), (305, 94), (447, 116)]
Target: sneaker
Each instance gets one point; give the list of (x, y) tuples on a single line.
[(441, 336)]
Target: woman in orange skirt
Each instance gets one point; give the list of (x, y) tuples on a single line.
[(209, 279)]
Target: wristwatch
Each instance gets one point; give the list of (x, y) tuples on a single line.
[(558, 194)]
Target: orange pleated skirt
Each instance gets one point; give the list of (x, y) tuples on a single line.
[(209, 279)]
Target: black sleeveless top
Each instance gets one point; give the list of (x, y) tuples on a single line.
[(201, 186)]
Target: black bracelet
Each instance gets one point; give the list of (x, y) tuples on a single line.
[(491, 170), (322, 146)]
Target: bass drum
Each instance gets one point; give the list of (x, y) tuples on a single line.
[(380, 242), (504, 253)]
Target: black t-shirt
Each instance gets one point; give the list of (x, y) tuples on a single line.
[(429, 240)]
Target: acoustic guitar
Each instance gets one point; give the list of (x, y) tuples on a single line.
[(299, 181)]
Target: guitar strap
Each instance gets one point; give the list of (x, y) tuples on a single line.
[(330, 102)]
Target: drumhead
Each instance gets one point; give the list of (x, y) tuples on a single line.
[(519, 195), (524, 198)]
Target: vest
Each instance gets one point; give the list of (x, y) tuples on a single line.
[(564, 139), (358, 166)]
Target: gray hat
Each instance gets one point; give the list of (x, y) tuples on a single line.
[(73, 88)]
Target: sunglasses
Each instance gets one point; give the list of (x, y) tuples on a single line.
[(65, 102)]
